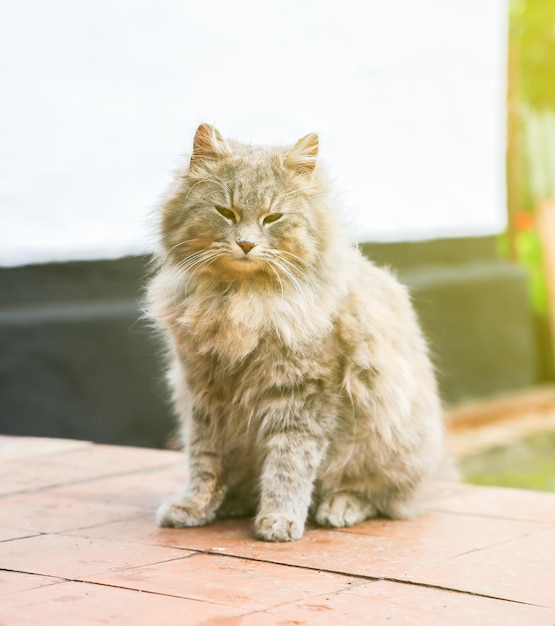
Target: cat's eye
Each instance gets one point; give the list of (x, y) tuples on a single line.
[(271, 218), (227, 213)]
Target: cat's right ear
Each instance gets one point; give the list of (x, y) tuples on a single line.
[(303, 155), (208, 145)]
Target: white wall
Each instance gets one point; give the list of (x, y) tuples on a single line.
[(99, 97)]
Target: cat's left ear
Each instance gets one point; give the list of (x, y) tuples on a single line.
[(302, 156), (208, 144)]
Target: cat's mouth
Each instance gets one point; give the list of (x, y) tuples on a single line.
[(244, 263), (231, 267)]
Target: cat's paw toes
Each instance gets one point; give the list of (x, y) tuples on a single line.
[(278, 527), (343, 509), (182, 514)]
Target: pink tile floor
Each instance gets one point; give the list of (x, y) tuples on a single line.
[(78, 545)]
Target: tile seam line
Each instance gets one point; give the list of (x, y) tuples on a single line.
[(541, 527), (117, 570), (366, 577), (497, 517), (360, 577), (66, 532), (55, 580), (497, 544), (249, 610), (88, 480), (64, 579), (30, 536)]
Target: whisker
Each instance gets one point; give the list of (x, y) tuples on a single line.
[(278, 278), (199, 265), (177, 245), (297, 258), (197, 258), (216, 180), (297, 270), (189, 268), (278, 199), (221, 182), (294, 282), (199, 182)]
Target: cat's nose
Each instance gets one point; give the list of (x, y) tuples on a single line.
[(246, 246)]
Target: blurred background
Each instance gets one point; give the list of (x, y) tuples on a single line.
[(437, 125)]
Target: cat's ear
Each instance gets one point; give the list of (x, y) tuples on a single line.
[(302, 156), (208, 144)]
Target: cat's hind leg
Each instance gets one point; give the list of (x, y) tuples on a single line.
[(344, 508), (402, 503)]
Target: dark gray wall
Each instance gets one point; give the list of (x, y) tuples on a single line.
[(475, 310), (76, 360)]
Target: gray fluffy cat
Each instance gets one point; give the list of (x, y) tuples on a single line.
[(299, 372)]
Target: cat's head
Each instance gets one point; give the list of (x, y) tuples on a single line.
[(243, 213)]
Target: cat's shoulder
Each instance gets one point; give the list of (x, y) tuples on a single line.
[(375, 304), (367, 280)]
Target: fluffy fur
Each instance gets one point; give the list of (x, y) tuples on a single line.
[(299, 372)]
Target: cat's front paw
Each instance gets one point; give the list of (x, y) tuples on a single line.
[(183, 513), (343, 509), (278, 527)]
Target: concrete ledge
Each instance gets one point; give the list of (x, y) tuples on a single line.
[(75, 358), (480, 325), (501, 421)]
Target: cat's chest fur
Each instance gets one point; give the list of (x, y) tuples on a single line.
[(248, 358), (230, 327)]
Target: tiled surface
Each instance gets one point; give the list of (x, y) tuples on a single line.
[(78, 545), (385, 603), (522, 570), (500, 503), (12, 582), (76, 603), (77, 557), (242, 583)]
